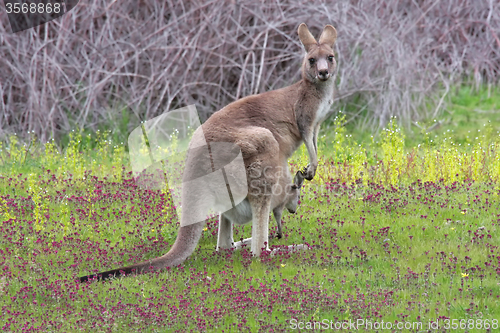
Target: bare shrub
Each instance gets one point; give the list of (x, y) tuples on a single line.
[(147, 57)]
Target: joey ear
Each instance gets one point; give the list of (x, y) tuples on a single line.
[(306, 37), (298, 180), (328, 36)]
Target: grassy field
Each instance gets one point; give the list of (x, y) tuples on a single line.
[(404, 230)]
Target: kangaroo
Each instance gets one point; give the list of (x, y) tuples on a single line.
[(286, 195), (267, 128)]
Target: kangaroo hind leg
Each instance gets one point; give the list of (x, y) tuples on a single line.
[(225, 236), (261, 207)]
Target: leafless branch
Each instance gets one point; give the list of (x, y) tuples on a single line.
[(151, 56)]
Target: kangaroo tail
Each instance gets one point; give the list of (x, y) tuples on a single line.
[(187, 239)]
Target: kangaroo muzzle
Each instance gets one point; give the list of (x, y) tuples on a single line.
[(323, 73)]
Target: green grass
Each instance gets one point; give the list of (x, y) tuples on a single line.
[(466, 115), (485, 106), (399, 232)]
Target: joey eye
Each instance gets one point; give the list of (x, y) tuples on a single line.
[(330, 58), (312, 61)]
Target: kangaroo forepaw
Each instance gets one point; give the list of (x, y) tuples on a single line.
[(309, 172)]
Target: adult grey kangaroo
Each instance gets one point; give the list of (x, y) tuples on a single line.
[(267, 128)]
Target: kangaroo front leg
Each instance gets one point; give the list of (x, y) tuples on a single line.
[(312, 149), (315, 138), (225, 236)]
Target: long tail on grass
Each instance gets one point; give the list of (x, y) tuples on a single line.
[(184, 246)]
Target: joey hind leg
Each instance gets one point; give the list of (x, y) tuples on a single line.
[(225, 235)]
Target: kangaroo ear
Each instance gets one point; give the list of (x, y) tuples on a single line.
[(306, 37), (328, 36), (298, 180)]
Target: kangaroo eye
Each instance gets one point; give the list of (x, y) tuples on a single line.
[(312, 61), (330, 58)]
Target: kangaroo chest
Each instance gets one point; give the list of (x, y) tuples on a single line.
[(324, 106)]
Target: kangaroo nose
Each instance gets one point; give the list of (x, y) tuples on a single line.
[(323, 74)]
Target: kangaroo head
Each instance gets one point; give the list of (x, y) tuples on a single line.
[(319, 63), (294, 194)]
